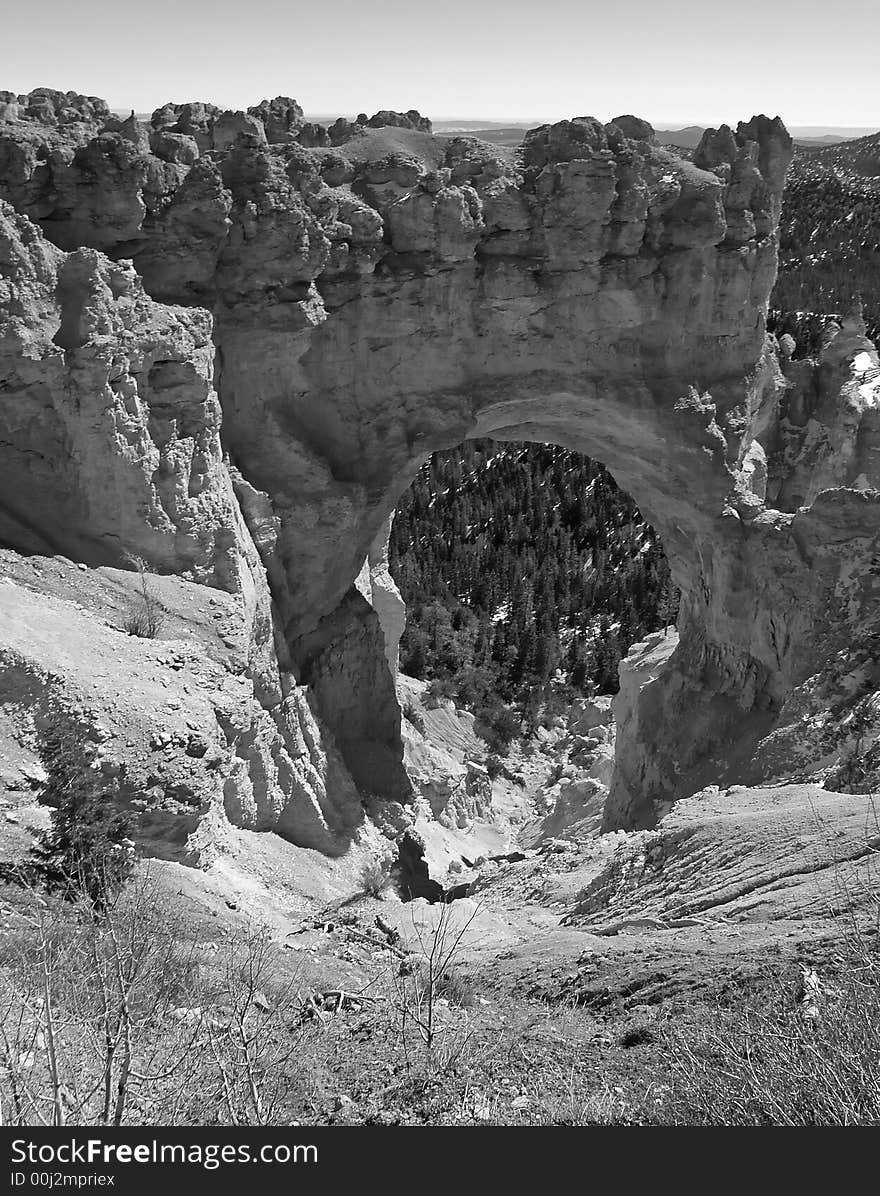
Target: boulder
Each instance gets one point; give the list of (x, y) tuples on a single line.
[(588, 713)]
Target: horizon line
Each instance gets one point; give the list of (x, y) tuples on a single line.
[(526, 122)]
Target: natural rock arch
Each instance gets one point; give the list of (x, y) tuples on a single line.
[(378, 293), (621, 315)]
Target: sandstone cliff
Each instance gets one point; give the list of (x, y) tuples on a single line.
[(378, 293)]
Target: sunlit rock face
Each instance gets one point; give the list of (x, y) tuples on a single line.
[(110, 424), (378, 293), (110, 454)]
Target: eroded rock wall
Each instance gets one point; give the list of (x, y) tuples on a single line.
[(110, 454), (379, 293), (110, 424), (379, 588)]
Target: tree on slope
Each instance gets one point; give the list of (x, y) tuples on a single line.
[(87, 851)]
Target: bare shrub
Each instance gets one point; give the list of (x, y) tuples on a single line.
[(81, 1010), (146, 615), (119, 1020), (255, 1051), (425, 980)]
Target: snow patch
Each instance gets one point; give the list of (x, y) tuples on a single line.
[(862, 362), (870, 391)]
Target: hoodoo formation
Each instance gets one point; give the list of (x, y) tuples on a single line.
[(228, 340)]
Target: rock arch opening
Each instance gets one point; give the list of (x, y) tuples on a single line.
[(527, 575), (671, 456)]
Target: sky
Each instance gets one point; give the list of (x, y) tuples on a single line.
[(681, 62)]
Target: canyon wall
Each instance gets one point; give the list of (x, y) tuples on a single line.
[(376, 293)]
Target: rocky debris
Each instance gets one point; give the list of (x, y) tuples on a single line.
[(578, 753), (353, 939), (282, 119), (401, 120), (633, 128), (587, 714), (343, 130), (196, 749), (193, 120), (322, 1006), (460, 811)]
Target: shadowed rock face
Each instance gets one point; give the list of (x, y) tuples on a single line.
[(381, 293)]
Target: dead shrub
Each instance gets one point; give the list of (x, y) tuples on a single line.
[(120, 1021), (146, 615)]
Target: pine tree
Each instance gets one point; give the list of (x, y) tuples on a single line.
[(87, 850), (668, 603), (535, 531)]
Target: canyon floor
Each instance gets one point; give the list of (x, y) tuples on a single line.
[(569, 963)]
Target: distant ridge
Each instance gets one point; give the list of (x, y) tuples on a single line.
[(859, 157), (804, 135), (510, 132), (687, 138)]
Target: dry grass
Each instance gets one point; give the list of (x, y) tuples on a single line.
[(807, 1054), (375, 879), (801, 1048), (137, 1022)]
